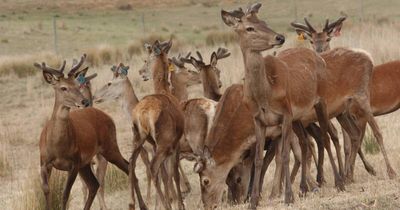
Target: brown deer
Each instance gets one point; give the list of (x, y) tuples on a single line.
[(70, 139), (158, 119), (86, 90), (379, 94), (270, 90)]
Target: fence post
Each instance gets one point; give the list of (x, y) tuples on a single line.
[(295, 9), (144, 27), (55, 35), (362, 10)]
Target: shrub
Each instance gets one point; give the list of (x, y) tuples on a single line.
[(134, 48)]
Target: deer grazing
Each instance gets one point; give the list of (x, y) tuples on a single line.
[(382, 99), (158, 119), (70, 139)]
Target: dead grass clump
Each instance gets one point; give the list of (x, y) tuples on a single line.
[(369, 143), (22, 66), (134, 48), (33, 197), (115, 180), (220, 37), (103, 55), (5, 166)]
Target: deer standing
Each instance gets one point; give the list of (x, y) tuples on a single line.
[(382, 100), (70, 139), (158, 119)]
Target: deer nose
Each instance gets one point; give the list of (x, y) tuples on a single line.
[(280, 38), (85, 102)]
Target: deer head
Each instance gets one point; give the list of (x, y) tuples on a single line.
[(182, 74), (157, 50), (84, 82), (238, 179), (212, 182), (254, 34), (210, 74), (114, 88), (319, 40), (67, 89)]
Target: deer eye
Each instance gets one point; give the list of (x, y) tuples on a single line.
[(328, 39), (109, 84), (238, 180), (312, 42), (249, 29), (63, 88)]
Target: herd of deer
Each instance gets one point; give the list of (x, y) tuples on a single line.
[(226, 134)]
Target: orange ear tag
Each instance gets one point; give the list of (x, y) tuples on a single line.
[(301, 37), (171, 67)]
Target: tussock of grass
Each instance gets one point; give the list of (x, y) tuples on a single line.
[(369, 143), (134, 48), (33, 197), (22, 66), (5, 167), (115, 180), (103, 55), (220, 37)]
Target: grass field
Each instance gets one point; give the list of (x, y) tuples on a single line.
[(109, 28)]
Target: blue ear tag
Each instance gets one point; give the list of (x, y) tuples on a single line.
[(81, 79), (124, 70), (156, 51), (113, 68)]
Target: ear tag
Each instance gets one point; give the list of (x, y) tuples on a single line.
[(123, 71), (301, 37), (171, 67), (81, 79), (157, 51), (113, 68)]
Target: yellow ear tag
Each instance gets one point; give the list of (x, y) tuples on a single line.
[(171, 67), (301, 37)]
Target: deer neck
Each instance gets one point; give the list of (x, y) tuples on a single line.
[(257, 88), (129, 99), (210, 86), (178, 86), (160, 75), (59, 130)]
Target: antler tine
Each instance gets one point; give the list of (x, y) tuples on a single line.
[(77, 66), (49, 70), (326, 25), (222, 53), (63, 66), (300, 26), (199, 55), (311, 29), (88, 78), (188, 55), (334, 24)]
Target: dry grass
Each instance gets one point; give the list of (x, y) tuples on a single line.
[(216, 38), (115, 180)]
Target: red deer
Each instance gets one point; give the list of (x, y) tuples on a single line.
[(70, 139), (321, 43)]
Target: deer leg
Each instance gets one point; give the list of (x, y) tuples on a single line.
[(347, 150), (367, 165), (269, 156), (334, 136), (378, 136), (155, 165), (303, 140), (176, 166), (324, 124), (258, 159), (278, 170), (68, 185), (287, 134), (146, 161), (45, 173), (91, 182), (100, 175), (134, 184), (295, 145), (166, 178), (315, 132)]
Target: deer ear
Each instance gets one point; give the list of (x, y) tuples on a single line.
[(49, 78), (228, 19), (214, 59), (167, 47), (206, 152), (198, 167), (83, 72)]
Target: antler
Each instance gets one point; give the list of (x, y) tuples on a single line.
[(328, 27), (252, 9), (222, 53), (77, 66), (300, 26), (58, 73), (311, 29), (199, 55), (180, 61)]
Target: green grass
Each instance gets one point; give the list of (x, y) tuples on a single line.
[(369, 143)]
